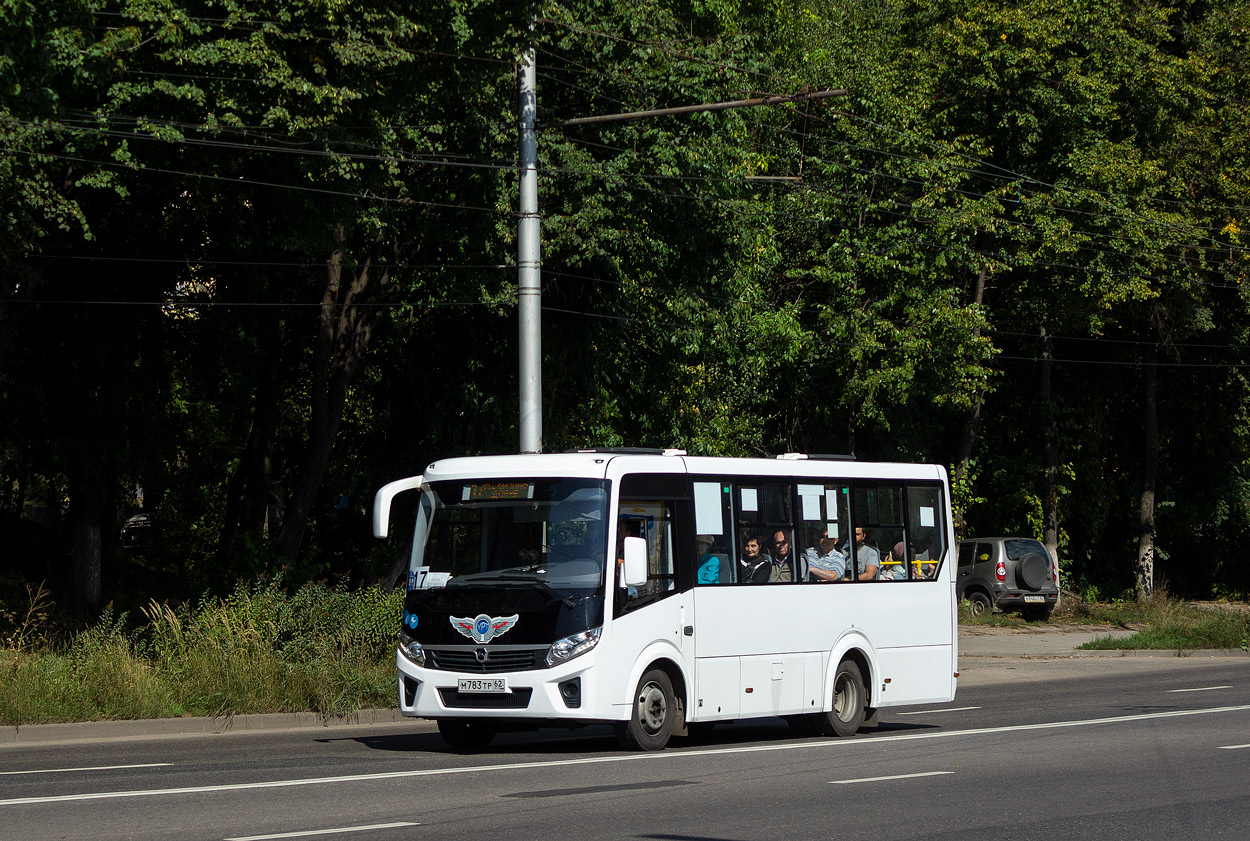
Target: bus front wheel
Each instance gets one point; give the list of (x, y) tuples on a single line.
[(849, 701), (466, 734), (651, 720)]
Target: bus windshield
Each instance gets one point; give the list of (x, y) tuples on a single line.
[(551, 532)]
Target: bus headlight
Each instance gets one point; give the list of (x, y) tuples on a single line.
[(573, 646), (413, 652)]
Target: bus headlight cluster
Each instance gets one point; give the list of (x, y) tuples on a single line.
[(412, 651), (573, 646)]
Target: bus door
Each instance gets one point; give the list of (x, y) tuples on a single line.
[(714, 611), (653, 615)]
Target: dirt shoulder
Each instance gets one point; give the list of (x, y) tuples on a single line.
[(1050, 651)]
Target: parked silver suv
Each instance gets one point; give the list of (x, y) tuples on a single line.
[(1008, 573)]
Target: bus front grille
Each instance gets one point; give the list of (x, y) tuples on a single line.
[(517, 699), (485, 660)]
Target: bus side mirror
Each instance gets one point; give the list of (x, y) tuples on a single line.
[(634, 570), (382, 503)]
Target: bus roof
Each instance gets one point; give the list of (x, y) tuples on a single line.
[(594, 464)]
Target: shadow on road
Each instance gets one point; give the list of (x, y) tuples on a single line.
[(598, 738)]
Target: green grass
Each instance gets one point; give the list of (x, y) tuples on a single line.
[(1184, 628), (1161, 623), (320, 649)]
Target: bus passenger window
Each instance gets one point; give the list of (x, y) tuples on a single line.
[(926, 525), (652, 520), (878, 514), (821, 549), (713, 516)]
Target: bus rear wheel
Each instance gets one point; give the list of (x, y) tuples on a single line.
[(465, 734), (849, 701), (651, 720)]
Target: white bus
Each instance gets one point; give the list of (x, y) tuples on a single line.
[(662, 593)]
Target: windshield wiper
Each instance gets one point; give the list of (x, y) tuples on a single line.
[(531, 574)]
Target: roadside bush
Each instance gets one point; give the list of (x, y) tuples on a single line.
[(322, 648)]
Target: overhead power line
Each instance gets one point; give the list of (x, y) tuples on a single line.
[(693, 109)]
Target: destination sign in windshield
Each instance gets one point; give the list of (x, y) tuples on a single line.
[(498, 490)]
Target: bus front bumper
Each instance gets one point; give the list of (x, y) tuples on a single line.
[(566, 691)]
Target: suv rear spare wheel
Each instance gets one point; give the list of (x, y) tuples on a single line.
[(1032, 571)]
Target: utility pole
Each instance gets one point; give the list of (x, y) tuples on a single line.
[(529, 264)]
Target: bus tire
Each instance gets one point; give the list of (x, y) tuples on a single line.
[(849, 702), (651, 720), (466, 735)]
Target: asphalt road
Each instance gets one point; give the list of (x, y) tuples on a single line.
[(1046, 747)]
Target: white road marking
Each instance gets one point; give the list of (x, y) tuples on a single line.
[(931, 712), (92, 768), (1200, 689), (310, 832), (1233, 747), (666, 756), (883, 779)]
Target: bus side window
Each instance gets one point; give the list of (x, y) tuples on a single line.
[(926, 528), (653, 521), (877, 510), (822, 516), (714, 550)]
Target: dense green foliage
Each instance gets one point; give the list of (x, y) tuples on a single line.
[(257, 259), (322, 649)]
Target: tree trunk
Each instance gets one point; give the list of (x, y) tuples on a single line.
[(972, 426), (1050, 434), (86, 523), (247, 499), (1145, 567), (349, 313)]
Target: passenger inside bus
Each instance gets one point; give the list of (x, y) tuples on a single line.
[(755, 566), (709, 561), (894, 565), (867, 559), (825, 562), (783, 557)]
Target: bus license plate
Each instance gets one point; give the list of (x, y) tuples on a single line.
[(477, 684), (1033, 599)]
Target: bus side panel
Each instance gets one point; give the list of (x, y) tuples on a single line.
[(716, 688), (904, 613), (917, 675), (760, 649), (774, 684)]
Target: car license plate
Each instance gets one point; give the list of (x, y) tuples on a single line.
[(1034, 599), (478, 684)]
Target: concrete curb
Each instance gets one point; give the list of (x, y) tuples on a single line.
[(45, 734), (1113, 654)]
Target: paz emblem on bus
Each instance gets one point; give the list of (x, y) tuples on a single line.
[(483, 628)]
